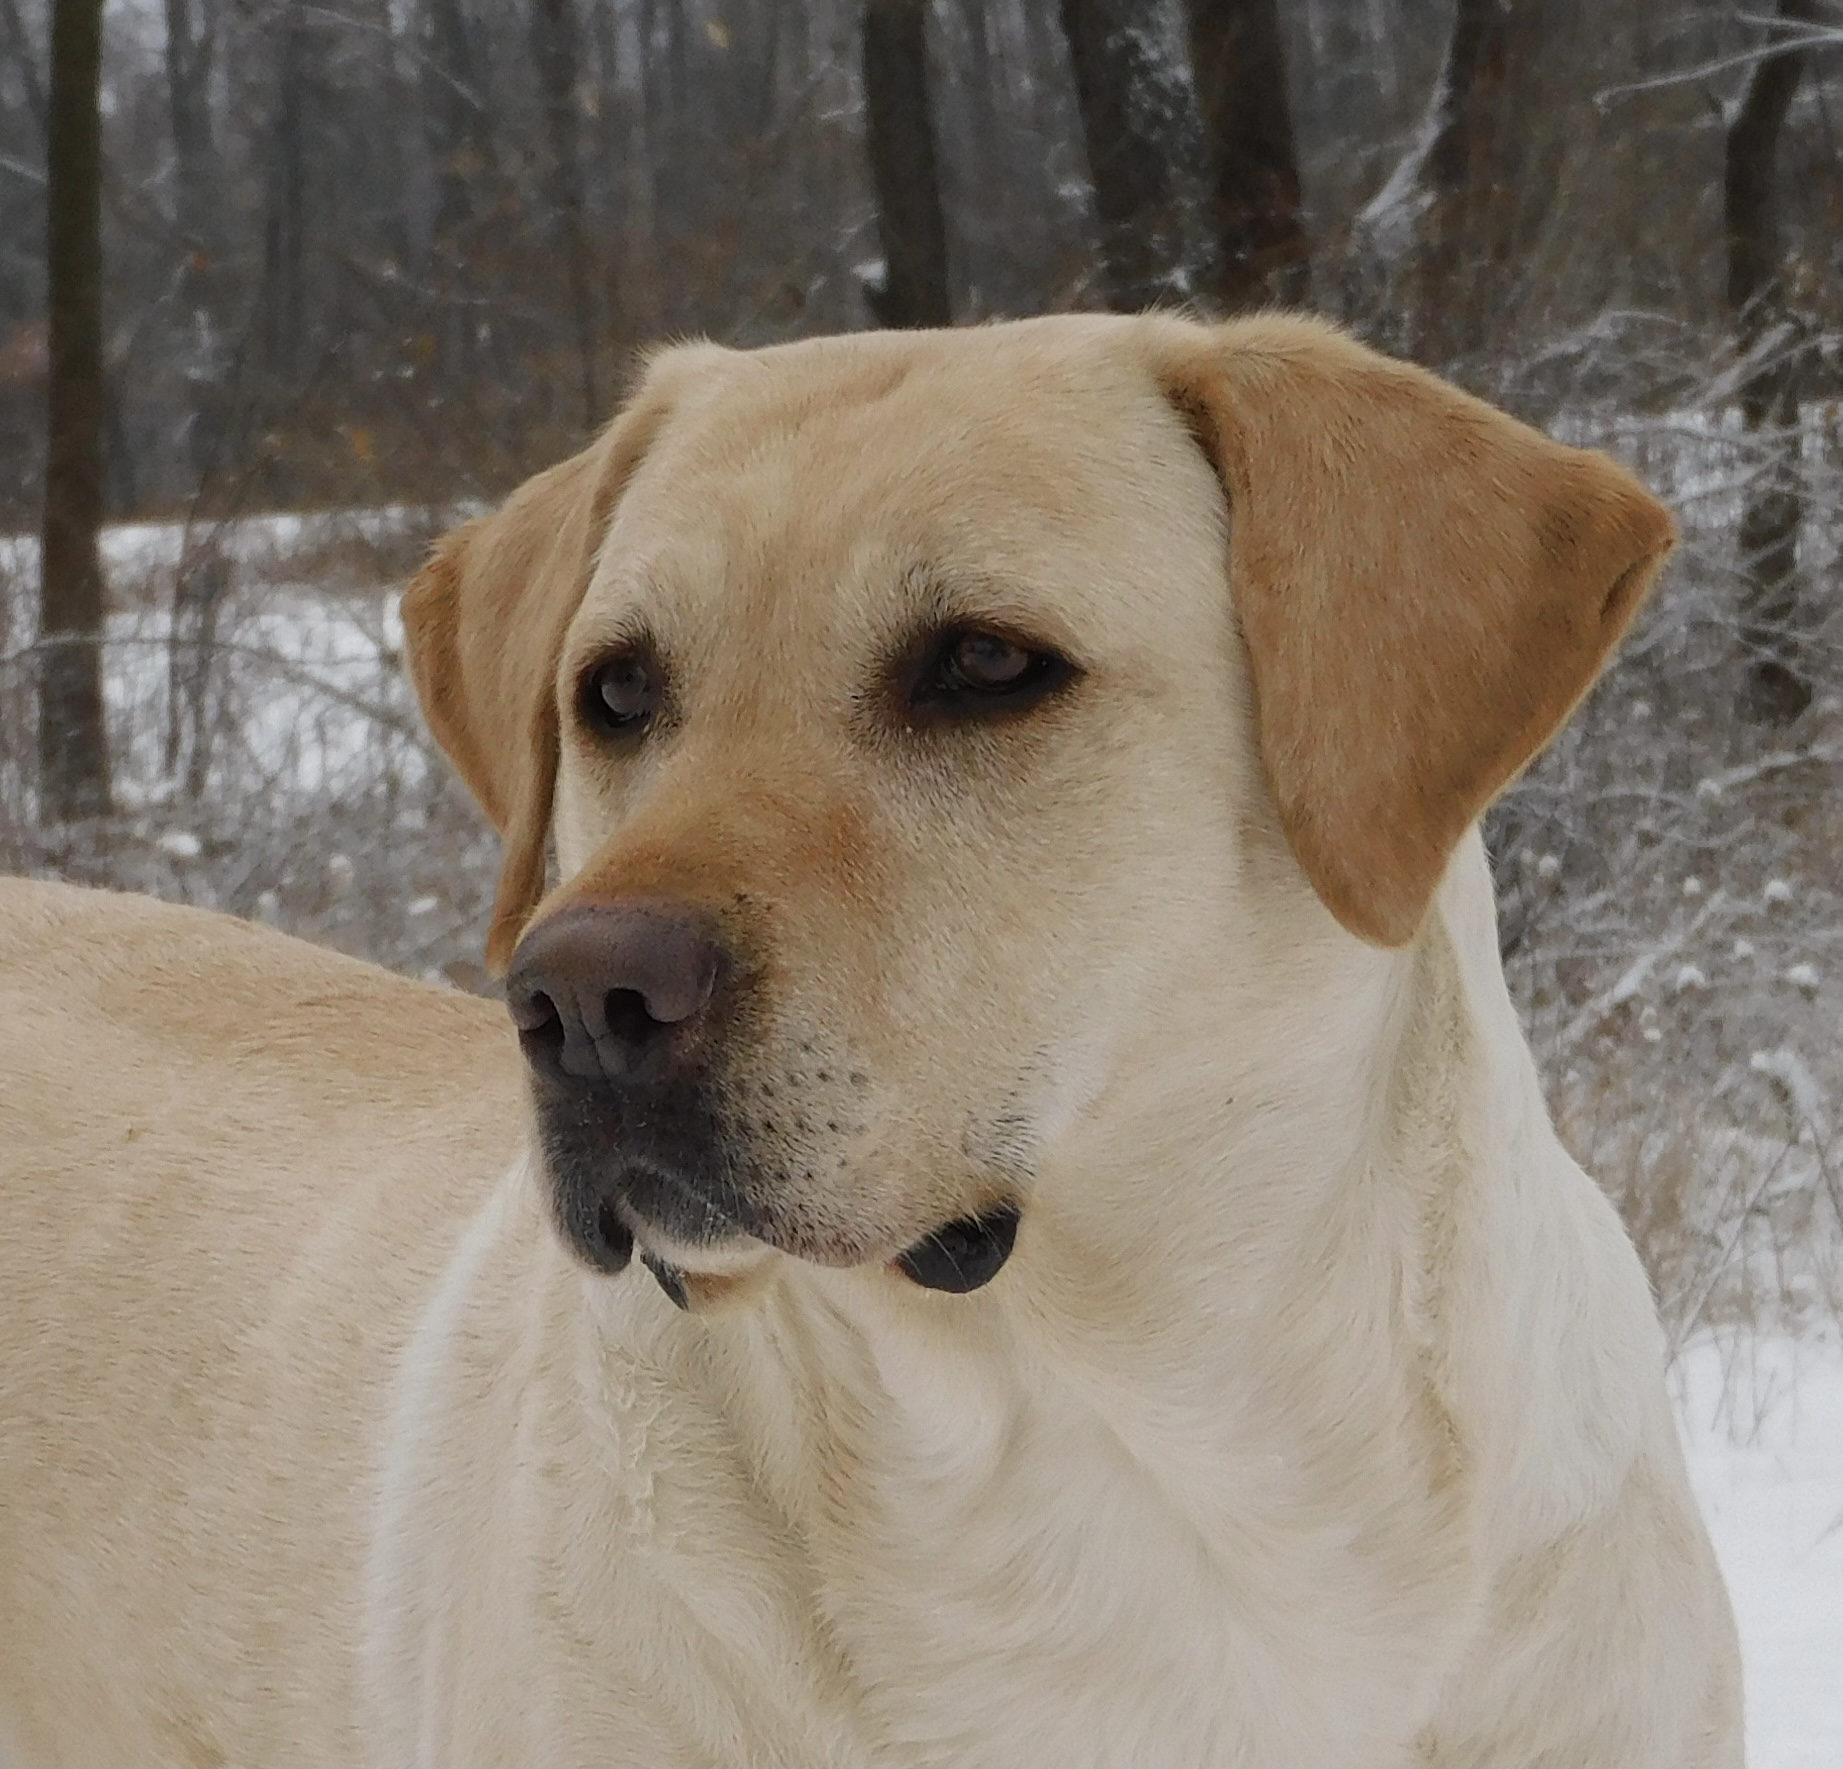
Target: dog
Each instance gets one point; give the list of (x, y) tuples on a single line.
[(1026, 1230)]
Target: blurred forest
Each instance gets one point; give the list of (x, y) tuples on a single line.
[(369, 250), (367, 263)]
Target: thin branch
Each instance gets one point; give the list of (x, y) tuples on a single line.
[(1800, 37)]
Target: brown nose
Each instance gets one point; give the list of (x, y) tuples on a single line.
[(610, 991)]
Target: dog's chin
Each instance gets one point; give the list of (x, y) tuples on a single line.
[(956, 1258), (704, 1279), (707, 1274), (719, 1253), (695, 1221)]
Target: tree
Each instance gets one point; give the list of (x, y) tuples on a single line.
[(1239, 63), (459, 133), (555, 51), (191, 45), (1778, 682), (1140, 125), (72, 729), (1463, 210), (284, 248), (899, 130)]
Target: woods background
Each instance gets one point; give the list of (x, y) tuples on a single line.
[(377, 260), (371, 250)]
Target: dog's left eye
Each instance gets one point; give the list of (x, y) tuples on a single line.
[(972, 670)]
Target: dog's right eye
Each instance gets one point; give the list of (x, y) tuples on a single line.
[(620, 695)]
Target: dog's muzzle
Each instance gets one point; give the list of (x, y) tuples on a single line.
[(617, 1005)]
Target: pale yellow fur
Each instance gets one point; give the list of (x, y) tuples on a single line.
[(1318, 1417)]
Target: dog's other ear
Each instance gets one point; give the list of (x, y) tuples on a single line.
[(1425, 586), (484, 623)]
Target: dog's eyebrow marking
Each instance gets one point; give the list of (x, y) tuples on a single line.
[(933, 598), (626, 629)]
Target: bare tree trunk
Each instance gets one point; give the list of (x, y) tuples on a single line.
[(453, 104), (1239, 63), (202, 581), (1139, 122), (556, 52), (655, 130), (191, 44), (766, 85), (1778, 684), (900, 130), (72, 730), (190, 49), (285, 221), (1481, 177), (460, 146)]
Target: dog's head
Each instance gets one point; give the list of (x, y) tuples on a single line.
[(921, 719)]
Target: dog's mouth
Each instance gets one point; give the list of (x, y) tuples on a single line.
[(700, 1213), (958, 1257)]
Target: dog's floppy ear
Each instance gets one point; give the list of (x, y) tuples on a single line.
[(483, 626), (1426, 587)]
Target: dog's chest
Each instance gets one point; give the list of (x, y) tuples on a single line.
[(1012, 1581)]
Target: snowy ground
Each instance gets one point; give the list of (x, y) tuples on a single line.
[(1763, 1426)]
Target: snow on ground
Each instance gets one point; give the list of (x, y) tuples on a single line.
[(313, 685), (1763, 1427), (307, 683)]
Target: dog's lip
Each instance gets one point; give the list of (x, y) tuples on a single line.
[(735, 1253), (965, 1254), (674, 1262), (695, 1279), (960, 1256)]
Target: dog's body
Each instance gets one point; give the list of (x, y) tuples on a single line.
[(1318, 1416)]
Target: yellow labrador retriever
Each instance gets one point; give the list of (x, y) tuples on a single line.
[(1025, 1231)]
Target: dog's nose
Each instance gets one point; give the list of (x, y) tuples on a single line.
[(607, 991)]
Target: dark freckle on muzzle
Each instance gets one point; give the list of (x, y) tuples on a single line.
[(965, 1254)]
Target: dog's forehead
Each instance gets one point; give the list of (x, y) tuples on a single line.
[(1012, 466)]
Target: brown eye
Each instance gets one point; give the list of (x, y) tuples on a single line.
[(620, 695), (970, 671), (988, 663)]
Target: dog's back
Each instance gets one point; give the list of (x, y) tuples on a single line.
[(211, 1267)]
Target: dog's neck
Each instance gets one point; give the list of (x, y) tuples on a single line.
[(1122, 1400)]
